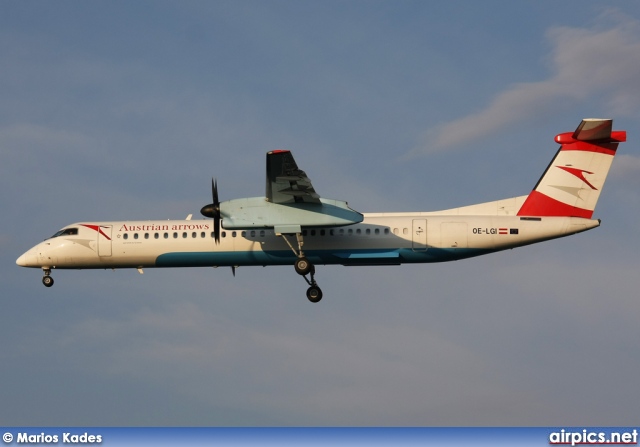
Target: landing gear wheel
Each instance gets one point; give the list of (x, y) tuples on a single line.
[(47, 281), (314, 294), (303, 266)]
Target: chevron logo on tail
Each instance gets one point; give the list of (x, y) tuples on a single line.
[(578, 173)]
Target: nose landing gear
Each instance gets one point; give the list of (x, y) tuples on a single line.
[(47, 279)]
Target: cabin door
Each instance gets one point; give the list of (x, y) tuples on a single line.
[(104, 240)]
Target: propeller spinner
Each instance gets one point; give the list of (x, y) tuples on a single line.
[(213, 210)]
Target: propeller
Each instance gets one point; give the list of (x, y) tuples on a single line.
[(213, 210)]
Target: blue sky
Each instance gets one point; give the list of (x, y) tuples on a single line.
[(125, 110)]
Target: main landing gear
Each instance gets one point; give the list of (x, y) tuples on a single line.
[(304, 267), (47, 279)]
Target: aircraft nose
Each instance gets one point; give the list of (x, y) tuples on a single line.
[(28, 259), (22, 260)]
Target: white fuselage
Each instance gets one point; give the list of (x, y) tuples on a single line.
[(380, 239)]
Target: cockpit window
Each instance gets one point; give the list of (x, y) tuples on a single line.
[(66, 232)]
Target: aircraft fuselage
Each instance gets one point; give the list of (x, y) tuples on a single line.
[(380, 239)]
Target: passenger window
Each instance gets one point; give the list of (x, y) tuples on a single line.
[(358, 231), (368, 231), (194, 235), (224, 234), (395, 231), (261, 233), (135, 235), (253, 233), (386, 231), (156, 235), (377, 231), (184, 235), (175, 235), (233, 234), (203, 235), (322, 232), (166, 235), (146, 235), (125, 236)]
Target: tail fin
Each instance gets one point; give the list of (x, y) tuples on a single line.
[(572, 183)]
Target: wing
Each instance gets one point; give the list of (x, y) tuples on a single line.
[(286, 183), (291, 203)]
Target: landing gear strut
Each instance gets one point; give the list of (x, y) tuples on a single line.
[(47, 279), (304, 267)]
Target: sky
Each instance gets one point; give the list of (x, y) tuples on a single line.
[(125, 110)]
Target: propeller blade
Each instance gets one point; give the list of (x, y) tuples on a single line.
[(216, 206), (214, 192), (213, 210), (216, 228)]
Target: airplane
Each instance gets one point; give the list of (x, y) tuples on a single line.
[(292, 224)]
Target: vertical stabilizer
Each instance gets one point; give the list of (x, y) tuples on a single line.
[(572, 183)]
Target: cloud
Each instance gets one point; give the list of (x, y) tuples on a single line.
[(586, 63)]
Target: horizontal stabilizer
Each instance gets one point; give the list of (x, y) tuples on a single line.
[(593, 130)]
